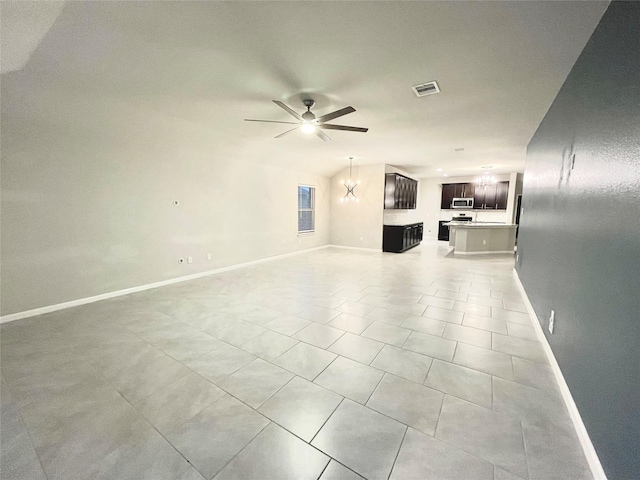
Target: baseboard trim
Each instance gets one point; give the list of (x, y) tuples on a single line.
[(362, 249), (587, 446), (484, 252), (126, 291)]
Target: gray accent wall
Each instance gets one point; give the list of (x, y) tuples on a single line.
[(579, 241)]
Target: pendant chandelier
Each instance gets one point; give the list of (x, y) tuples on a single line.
[(350, 186), (486, 180)]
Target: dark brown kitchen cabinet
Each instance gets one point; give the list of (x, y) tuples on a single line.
[(455, 190), (491, 197), (400, 192), (484, 197), (448, 190), (502, 194), (398, 238)]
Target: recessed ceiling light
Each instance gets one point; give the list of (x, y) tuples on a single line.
[(438, 169), (460, 149), (445, 175)]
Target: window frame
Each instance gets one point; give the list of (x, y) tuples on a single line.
[(312, 210)]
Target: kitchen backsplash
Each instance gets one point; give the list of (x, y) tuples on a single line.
[(401, 217), (499, 216), (405, 217)]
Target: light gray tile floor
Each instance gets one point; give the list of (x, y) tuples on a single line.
[(409, 403), (329, 364)]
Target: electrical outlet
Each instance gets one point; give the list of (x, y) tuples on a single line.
[(362, 239), (189, 259), (484, 242), (552, 321), (208, 256)]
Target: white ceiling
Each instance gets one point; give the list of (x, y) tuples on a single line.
[(499, 66)]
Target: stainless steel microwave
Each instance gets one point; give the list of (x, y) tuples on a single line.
[(462, 203)]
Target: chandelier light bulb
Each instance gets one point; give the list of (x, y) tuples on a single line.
[(486, 180), (308, 128)]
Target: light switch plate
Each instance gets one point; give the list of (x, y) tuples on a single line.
[(552, 321)]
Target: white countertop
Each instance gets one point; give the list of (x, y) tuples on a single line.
[(480, 225)]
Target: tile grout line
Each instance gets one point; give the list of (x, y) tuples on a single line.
[(325, 422), (377, 355), (384, 374), (524, 449), (142, 417), (243, 448), (435, 428), (328, 365), (398, 452), (29, 435), (325, 467)]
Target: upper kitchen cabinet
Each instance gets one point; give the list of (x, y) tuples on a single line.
[(455, 190), (491, 197), (400, 192), (502, 193)]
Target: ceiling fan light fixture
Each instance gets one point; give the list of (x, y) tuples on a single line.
[(309, 123), (308, 128)]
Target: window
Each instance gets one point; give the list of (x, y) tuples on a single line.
[(306, 206)]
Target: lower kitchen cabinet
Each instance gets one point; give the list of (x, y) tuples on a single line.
[(443, 230), (398, 238)]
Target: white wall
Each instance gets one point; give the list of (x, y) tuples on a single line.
[(358, 224), (88, 191)]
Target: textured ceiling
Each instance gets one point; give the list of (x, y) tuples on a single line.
[(212, 64)]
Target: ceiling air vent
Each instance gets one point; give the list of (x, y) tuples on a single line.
[(424, 89)]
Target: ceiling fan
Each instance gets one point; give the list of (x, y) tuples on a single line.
[(309, 123)]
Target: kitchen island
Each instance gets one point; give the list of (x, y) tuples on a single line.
[(475, 238)]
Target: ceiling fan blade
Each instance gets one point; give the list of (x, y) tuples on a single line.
[(269, 121), (288, 131), (322, 135), (330, 126), (336, 114), (288, 110)]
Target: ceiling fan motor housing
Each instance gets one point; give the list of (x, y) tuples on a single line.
[(308, 116)]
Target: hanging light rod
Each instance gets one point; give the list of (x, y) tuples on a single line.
[(350, 186)]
